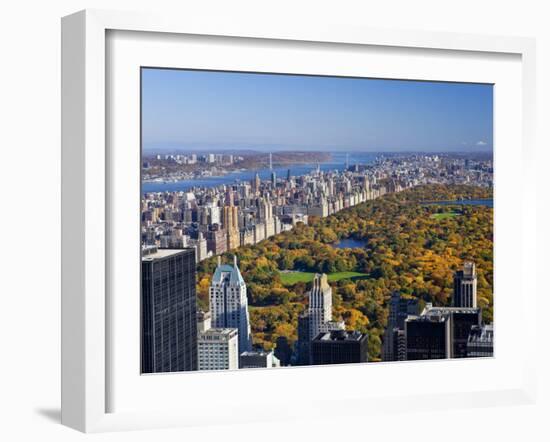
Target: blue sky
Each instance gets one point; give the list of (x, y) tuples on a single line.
[(184, 109)]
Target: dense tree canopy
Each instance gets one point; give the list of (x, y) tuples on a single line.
[(407, 249)]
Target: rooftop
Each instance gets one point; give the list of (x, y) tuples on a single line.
[(468, 270), (218, 333), (261, 353), (431, 310), (340, 335), (481, 335), (228, 273), (151, 253)]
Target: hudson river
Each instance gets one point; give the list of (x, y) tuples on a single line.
[(337, 162)]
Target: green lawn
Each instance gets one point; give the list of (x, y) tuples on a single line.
[(445, 215), (290, 278)]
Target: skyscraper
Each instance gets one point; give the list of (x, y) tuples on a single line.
[(320, 305), (304, 340), (168, 310), (462, 321), (256, 183), (428, 336), (465, 286), (440, 332), (339, 347), (400, 308), (316, 319), (229, 304)]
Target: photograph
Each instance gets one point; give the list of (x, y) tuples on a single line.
[(291, 220)]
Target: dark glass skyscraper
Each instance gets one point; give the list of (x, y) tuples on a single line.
[(440, 332), (399, 309), (339, 347), (428, 336), (168, 310), (303, 344), (462, 321)]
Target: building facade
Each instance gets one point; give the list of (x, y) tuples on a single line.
[(428, 336), (440, 332), (218, 349), (316, 319), (399, 309), (258, 359), (320, 305), (339, 347), (204, 321), (168, 310), (465, 286), (480, 342), (229, 304), (303, 343)]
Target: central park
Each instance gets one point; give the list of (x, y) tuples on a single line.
[(406, 245)]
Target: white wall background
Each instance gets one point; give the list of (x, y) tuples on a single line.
[(30, 220)]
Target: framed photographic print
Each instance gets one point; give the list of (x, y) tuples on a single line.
[(296, 218)]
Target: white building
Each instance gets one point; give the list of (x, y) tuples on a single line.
[(229, 304), (201, 247), (218, 349), (204, 321), (320, 306), (465, 286)]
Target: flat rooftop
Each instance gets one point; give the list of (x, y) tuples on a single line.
[(339, 335), (152, 253), (260, 353), (219, 333), (443, 310)]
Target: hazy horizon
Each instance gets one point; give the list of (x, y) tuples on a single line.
[(185, 110)]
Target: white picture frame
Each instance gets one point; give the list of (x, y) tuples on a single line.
[(86, 352)]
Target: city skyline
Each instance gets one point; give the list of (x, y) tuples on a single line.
[(257, 253), (295, 269), (200, 110)]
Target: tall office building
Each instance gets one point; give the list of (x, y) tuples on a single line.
[(320, 305), (399, 309), (303, 343), (168, 310), (218, 349), (440, 332), (316, 319), (399, 345), (339, 347), (428, 336), (462, 321), (465, 286), (229, 304), (256, 183)]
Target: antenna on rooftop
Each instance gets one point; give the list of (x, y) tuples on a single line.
[(219, 260), (235, 261)]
